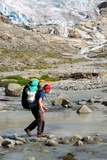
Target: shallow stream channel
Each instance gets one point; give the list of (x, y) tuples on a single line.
[(61, 122)]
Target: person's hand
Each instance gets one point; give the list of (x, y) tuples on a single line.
[(47, 109)]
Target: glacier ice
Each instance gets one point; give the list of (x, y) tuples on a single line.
[(42, 12)]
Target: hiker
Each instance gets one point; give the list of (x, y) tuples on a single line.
[(38, 112)]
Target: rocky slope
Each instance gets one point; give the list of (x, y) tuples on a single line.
[(42, 48)]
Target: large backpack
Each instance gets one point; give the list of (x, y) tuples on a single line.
[(24, 102)]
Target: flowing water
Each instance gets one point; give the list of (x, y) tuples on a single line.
[(60, 122)]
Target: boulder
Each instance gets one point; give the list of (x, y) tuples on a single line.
[(66, 104), (84, 109), (13, 89), (61, 100)]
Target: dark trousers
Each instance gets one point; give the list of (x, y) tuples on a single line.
[(38, 122)]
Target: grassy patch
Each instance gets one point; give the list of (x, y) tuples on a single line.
[(14, 79), (22, 81)]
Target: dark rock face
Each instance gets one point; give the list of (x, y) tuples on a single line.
[(5, 19), (102, 5), (104, 103)]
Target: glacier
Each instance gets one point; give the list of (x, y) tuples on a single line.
[(49, 12)]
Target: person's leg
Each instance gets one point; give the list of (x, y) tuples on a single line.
[(40, 123), (43, 125), (33, 124)]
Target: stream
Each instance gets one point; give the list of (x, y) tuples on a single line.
[(59, 122)]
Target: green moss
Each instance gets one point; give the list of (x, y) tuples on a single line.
[(22, 81), (47, 78)]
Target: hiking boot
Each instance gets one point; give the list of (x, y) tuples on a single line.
[(41, 135), (28, 132), (44, 135)]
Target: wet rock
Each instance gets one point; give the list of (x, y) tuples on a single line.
[(98, 139), (31, 158), (8, 143), (66, 104), (91, 100), (98, 106), (78, 143), (61, 138), (41, 139), (1, 140), (68, 156), (16, 137), (88, 139), (65, 141), (50, 136), (44, 150), (19, 143), (13, 89), (94, 100), (81, 102), (75, 138), (83, 109), (51, 143)]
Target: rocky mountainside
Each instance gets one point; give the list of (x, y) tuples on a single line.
[(42, 47)]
